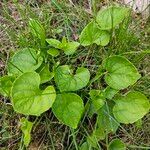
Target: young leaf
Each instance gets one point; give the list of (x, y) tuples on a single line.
[(53, 52), (92, 34), (37, 30), (97, 101), (27, 98), (66, 81), (45, 74), (112, 16), (121, 73), (6, 84), (25, 60), (70, 48), (68, 108), (26, 127), (116, 144), (54, 43), (131, 107)]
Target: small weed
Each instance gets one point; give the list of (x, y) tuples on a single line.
[(82, 90)]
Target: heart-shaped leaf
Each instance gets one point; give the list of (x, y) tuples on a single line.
[(93, 34), (6, 84), (68, 108), (112, 16), (121, 73), (27, 98), (105, 125), (106, 120), (131, 107), (116, 144), (26, 127), (25, 60), (66, 81)]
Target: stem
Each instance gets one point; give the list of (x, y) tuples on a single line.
[(49, 132), (74, 139), (107, 140), (36, 122), (21, 147), (138, 52), (107, 143), (100, 74), (86, 109), (88, 54)]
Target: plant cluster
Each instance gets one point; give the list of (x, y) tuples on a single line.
[(28, 85)]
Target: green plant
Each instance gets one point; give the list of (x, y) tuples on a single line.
[(26, 127), (31, 78)]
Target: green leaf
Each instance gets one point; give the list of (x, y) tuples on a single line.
[(97, 101), (68, 109), (106, 121), (70, 48), (25, 60), (66, 81), (53, 42), (53, 52), (138, 124), (121, 73), (26, 127), (37, 30), (97, 135), (109, 93), (45, 74), (116, 144), (6, 84), (85, 146), (112, 16), (104, 39), (64, 41), (131, 107), (93, 34), (27, 98)]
